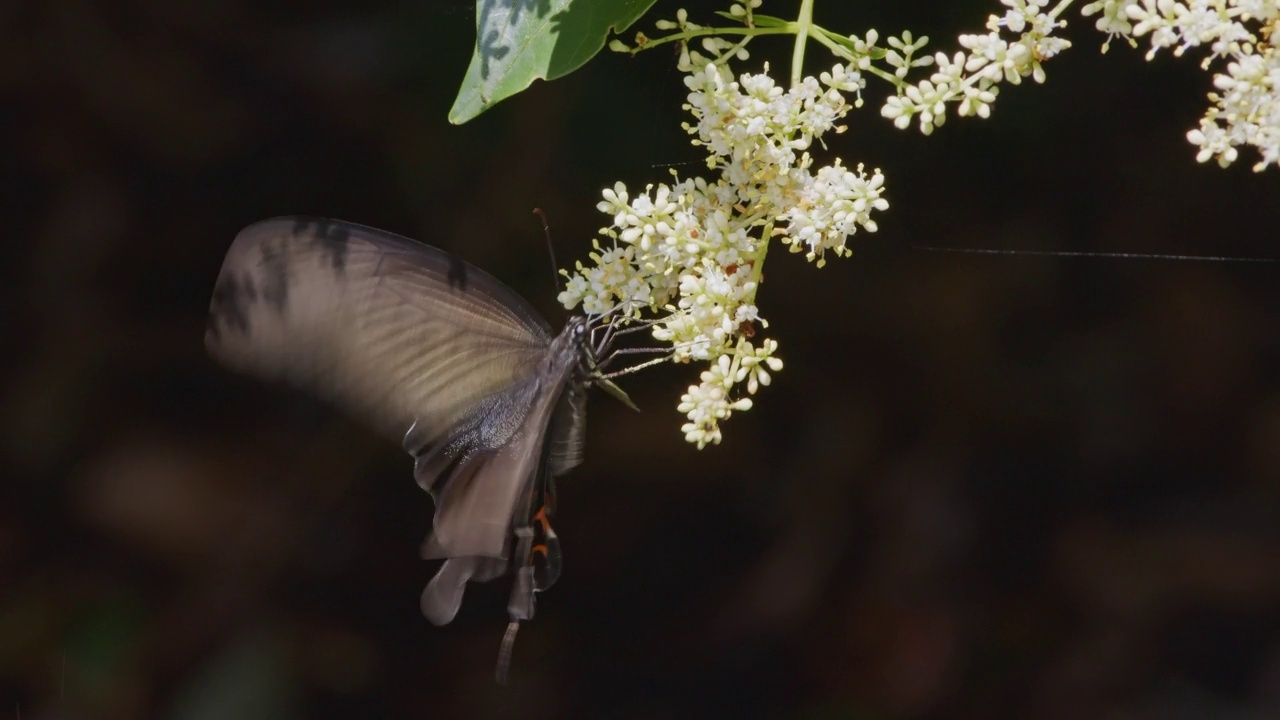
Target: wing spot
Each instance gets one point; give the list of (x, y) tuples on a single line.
[(457, 273), (228, 307), (275, 276), (338, 236), (330, 238)]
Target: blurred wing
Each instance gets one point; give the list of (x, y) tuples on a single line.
[(491, 479), (483, 506), (403, 333)]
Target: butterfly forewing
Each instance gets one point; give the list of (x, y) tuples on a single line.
[(401, 332)]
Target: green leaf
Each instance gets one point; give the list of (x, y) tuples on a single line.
[(518, 41), (765, 21)]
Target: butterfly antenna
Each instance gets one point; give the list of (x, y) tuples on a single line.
[(551, 250), (504, 653), (1079, 253)]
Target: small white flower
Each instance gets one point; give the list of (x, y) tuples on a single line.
[(755, 360), (707, 403), (1246, 111), (970, 79)]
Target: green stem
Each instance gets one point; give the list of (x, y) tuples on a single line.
[(704, 32), (824, 39), (803, 26), (757, 268), (830, 40)]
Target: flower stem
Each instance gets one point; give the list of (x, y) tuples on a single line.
[(711, 32), (757, 267), (804, 23)]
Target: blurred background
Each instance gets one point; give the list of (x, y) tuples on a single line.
[(983, 487)]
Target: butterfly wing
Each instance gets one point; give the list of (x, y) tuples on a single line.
[(477, 507), (413, 339), (402, 333), (481, 518)]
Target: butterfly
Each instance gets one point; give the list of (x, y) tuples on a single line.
[(440, 355)]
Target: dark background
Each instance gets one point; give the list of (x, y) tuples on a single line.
[(982, 487)]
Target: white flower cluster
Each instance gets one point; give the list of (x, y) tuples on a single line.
[(708, 403), (971, 78), (759, 136), (1246, 108), (694, 250)]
